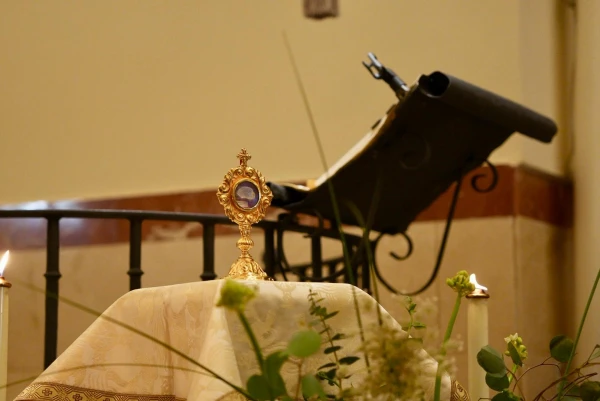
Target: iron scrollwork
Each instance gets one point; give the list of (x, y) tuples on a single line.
[(476, 180)]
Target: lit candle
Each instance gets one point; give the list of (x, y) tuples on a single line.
[(4, 286), (477, 337)]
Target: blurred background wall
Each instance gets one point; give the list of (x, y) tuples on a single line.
[(113, 99)]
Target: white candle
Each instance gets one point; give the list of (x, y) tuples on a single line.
[(4, 288), (477, 337)]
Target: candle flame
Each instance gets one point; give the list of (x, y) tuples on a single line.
[(478, 286), (3, 262)]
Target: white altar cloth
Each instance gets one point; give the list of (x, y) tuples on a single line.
[(109, 362)]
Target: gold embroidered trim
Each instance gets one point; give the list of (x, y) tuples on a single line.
[(62, 392), (232, 396), (458, 392)]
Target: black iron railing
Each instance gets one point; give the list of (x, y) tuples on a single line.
[(274, 260)]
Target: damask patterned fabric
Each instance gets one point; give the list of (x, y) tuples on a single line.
[(109, 362)]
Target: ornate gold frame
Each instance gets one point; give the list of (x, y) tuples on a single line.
[(245, 267)]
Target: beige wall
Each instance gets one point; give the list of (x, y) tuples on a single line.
[(111, 98), (586, 168), (546, 61)]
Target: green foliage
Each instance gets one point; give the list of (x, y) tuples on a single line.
[(572, 386), (312, 387), (304, 343), (411, 309), (273, 364), (574, 391), (258, 387), (561, 348), (269, 384), (497, 381), (590, 391), (514, 354), (515, 349), (329, 371), (460, 283), (348, 360), (491, 360), (506, 395), (235, 295), (330, 350), (595, 353)]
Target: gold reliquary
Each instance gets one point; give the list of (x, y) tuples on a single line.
[(245, 197)]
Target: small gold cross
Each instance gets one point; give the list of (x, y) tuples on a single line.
[(244, 157)]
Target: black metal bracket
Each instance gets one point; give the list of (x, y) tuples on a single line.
[(379, 71)]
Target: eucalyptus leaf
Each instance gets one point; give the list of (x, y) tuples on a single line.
[(514, 354), (329, 350), (322, 376), (490, 360), (330, 374), (258, 387), (311, 387), (319, 311), (327, 376), (327, 365), (561, 348), (419, 325), (590, 391), (348, 360), (497, 382), (304, 343)]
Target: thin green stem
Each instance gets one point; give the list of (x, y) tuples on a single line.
[(360, 325), (315, 131), (452, 321), (299, 380), (513, 371), (334, 203), (447, 335), (259, 357), (579, 330), (512, 374), (335, 355), (369, 252)]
